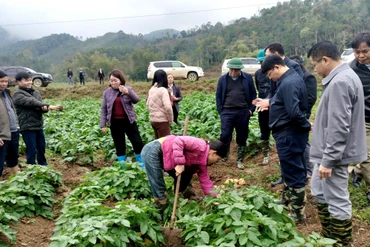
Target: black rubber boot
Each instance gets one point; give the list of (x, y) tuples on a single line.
[(323, 211)]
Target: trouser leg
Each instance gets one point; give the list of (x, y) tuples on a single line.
[(132, 132), (118, 136), (29, 138), (41, 147), (161, 129), (12, 153), (363, 169)]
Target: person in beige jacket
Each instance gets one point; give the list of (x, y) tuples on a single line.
[(159, 105)]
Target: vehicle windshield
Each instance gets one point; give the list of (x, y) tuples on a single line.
[(31, 70)]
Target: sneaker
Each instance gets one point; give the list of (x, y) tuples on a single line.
[(240, 165), (266, 160)]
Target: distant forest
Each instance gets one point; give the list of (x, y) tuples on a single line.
[(296, 24)]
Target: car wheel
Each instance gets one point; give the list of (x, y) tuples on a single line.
[(37, 82), (192, 76)]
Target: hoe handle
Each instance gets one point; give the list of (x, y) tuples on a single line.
[(173, 216)]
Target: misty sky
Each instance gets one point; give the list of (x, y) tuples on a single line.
[(135, 15)]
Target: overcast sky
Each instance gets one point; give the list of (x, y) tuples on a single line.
[(130, 16)]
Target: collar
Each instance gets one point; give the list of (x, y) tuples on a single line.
[(30, 90), (334, 72)]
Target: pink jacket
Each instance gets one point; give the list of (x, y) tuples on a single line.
[(188, 151)]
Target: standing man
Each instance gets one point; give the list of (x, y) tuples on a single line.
[(234, 96), (290, 128), (30, 107), (101, 76), (361, 66), (263, 85), (9, 128), (278, 49), (70, 77), (338, 139), (81, 74)]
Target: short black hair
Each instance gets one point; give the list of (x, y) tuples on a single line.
[(270, 62), (361, 38), (22, 75), (324, 48), (220, 148), (2, 74), (298, 59), (275, 47), (160, 77)]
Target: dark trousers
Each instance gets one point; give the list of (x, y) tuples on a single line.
[(121, 127), (238, 119), (35, 146), (175, 114), (9, 152), (263, 120), (290, 147), (82, 81), (101, 79), (186, 177), (161, 129)]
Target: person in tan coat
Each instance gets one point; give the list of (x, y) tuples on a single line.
[(159, 105)]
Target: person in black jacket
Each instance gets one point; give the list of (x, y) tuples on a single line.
[(30, 107), (175, 95), (311, 86), (101, 76), (290, 128), (361, 66), (263, 85), (81, 74), (70, 77)]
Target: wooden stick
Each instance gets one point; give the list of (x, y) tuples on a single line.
[(173, 216)]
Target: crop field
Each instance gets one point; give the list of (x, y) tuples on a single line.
[(84, 198)]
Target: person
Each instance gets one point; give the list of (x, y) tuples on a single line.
[(263, 85), (118, 113), (278, 49), (338, 139), (289, 126), (159, 105), (30, 107), (184, 155), (175, 95), (81, 74), (234, 95), (311, 86), (361, 66), (101, 76), (70, 77), (9, 128)]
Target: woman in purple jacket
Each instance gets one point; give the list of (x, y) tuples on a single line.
[(177, 155), (117, 111)]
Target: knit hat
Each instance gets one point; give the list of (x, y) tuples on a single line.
[(261, 56), (235, 63)]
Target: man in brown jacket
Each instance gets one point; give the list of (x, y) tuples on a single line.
[(9, 128)]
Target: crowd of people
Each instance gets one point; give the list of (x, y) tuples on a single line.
[(287, 93)]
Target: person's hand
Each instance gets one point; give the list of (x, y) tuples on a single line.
[(170, 122), (324, 172), (179, 169), (263, 105), (175, 99), (104, 130), (55, 107), (1, 142), (255, 101), (123, 89), (250, 112), (44, 108)]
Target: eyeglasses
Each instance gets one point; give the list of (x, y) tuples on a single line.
[(269, 73), (358, 52), (314, 65)]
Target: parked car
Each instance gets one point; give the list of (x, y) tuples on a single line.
[(38, 79), (178, 69), (250, 65), (347, 55)]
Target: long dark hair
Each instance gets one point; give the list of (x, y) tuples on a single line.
[(160, 77), (118, 74), (220, 148)]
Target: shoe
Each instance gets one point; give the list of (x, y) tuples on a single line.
[(122, 159), (140, 160), (240, 165), (356, 179), (266, 160), (277, 182), (368, 197)]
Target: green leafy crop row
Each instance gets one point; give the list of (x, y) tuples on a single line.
[(29, 193)]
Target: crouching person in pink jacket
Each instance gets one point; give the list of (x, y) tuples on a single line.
[(177, 155)]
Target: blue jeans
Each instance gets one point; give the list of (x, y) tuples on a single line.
[(70, 81), (153, 159), (35, 146), (9, 152)]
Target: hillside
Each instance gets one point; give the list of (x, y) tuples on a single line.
[(297, 24)]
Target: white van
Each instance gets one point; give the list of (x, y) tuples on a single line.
[(250, 65)]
